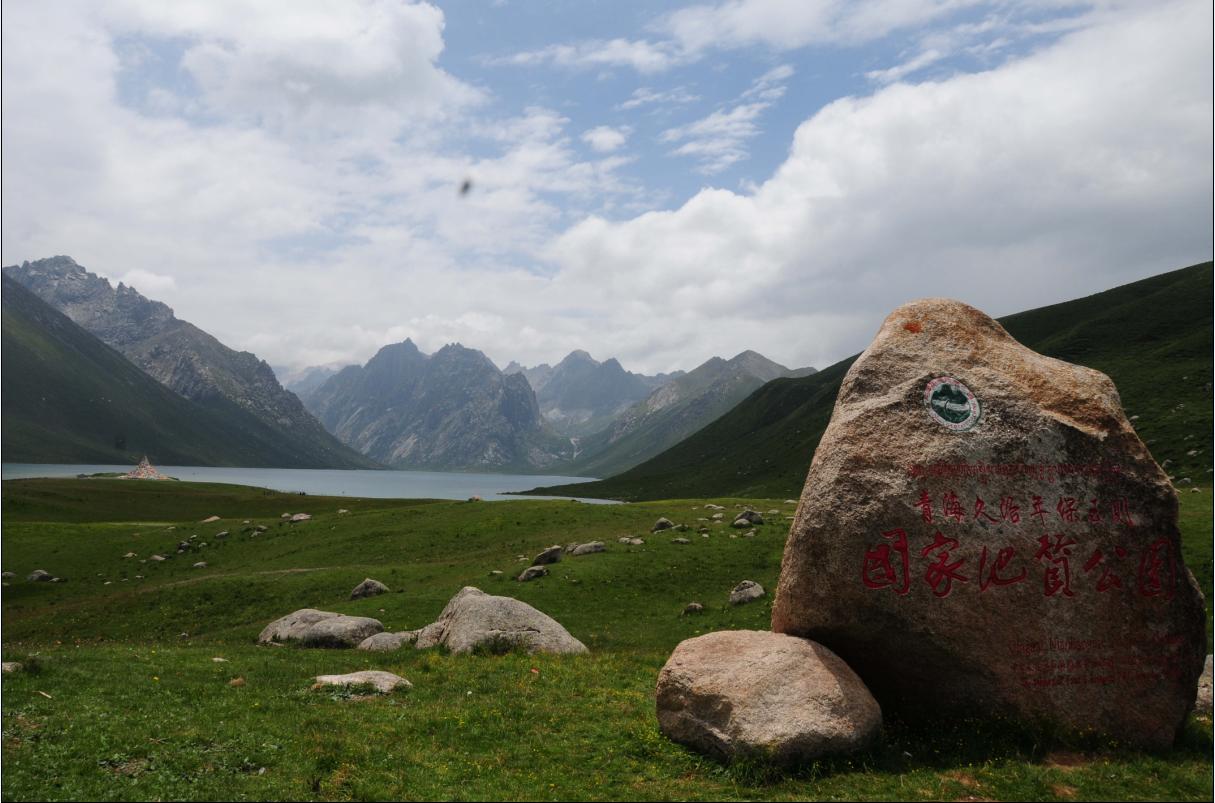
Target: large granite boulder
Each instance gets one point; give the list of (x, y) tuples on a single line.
[(751, 694), (982, 531), (313, 628), (474, 620)]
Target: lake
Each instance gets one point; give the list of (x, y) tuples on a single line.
[(331, 482)]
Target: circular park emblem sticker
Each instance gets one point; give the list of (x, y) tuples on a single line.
[(951, 404)]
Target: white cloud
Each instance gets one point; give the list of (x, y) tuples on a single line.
[(606, 139), (147, 282), (642, 55), (790, 24), (901, 71), (306, 61), (718, 140), (644, 96)]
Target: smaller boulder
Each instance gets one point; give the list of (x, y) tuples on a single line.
[(313, 628), (741, 523), (388, 642), (210, 519), (298, 517), (588, 549), (746, 591), (222, 534), (39, 576), (368, 588), (157, 558), (752, 516), (680, 541), (202, 564), (692, 608), (550, 555), (13, 575), (382, 682), (767, 696), (532, 573), (662, 524)]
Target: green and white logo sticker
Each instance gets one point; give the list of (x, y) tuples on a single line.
[(951, 404)]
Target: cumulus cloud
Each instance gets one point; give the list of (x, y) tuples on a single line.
[(606, 139), (1069, 171)]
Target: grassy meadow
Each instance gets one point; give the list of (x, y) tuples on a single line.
[(122, 698)]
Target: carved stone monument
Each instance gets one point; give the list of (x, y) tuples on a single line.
[(982, 532)]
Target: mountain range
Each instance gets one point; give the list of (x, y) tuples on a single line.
[(450, 410), (580, 395), (187, 360), (69, 398)]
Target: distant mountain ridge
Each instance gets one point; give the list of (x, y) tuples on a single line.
[(450, 410), (676, 410), (581, 395), (183, 357), (70, 398)]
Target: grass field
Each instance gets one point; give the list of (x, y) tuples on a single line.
[(122, 700)]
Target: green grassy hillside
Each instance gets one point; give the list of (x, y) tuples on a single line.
[(69, 398), (1152, 337), (123, 700)]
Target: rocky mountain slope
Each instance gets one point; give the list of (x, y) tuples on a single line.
[(184, 358), (675, 411), (581, 395), (1152, 337), (450, 410), (69, 398)]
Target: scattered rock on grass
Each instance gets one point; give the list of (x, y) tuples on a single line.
[(202, 564), (368, 588), (693, 607), (751, 694), (550, 555), (587, 549), (474, 620), (388, 642), (662, 524), (531, 573), (39, 576), (210, 519), (298, 517), (313, 628), (8, 667), (382, 682), (680, 541), (746, 591)]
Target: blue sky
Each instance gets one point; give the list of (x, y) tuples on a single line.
[(661, 183)]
